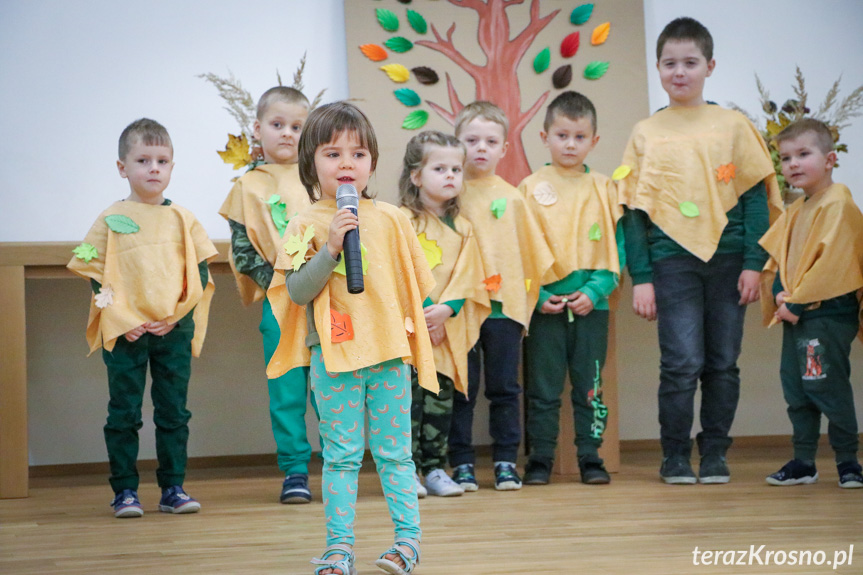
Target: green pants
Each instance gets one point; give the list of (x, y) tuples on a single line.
[(288, 398), (815, 371), (556, 344), (431, 415), (170, 359)]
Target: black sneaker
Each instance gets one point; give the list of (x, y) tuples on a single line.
[(537, 472), (714, 469), (464, 475), (676, 470), (506, 477), (795, 472), (593, 471), (849, 475), (295, 489)]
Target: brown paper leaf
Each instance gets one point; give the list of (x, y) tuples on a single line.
[(425, 75), (562, 77)]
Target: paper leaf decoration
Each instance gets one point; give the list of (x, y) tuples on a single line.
[(498, 207), (542, 60), (341, 328), (425, 75), (85, 252), (416, 119), (236, 152), (600, 34), (562, 77), (527, 285), (407, 97), (105, 297), (492, 283), (340, 267), (595, 233), (374, 52), (570, 44), (581, 14), (298, 246), (569, 315), (595, 70), (397, 72), (387, 19), (410, 328), (278, 212), (399, 44), (689, 210), (417, 22), (725, 173), (433, 252), (121, 224), (620, 172), (544, 194)]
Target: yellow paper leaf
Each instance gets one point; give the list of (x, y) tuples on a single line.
[(298, 246), (544, 194), (527, 285), (105, 297), (433, 253), (236, 151), (600, 34), (620, 172), (397, 72)]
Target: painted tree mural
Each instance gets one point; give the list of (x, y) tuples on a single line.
[(496, 79)]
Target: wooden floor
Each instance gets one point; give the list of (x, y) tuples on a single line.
[(636, 525)]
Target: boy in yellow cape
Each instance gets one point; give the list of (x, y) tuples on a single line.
[(813, 284), (258, 209), (146, 259), (700, 189), (578, 212)]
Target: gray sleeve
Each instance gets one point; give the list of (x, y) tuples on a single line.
[(308, 281)]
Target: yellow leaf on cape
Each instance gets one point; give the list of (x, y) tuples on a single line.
[(600, 34), (620, 172), (298, 247), (433, 253), (236, 151), (527, 285), (397, 72)]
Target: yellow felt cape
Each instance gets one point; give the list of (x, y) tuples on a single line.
[(512, 246), (387, 318), (456, 266), (817, 246), (152, 272), (578, 214), (247, 204), (686, 167)]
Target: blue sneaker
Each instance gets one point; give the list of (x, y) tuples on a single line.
[(175, 500), (795, 472), (295, 489), (126, 504), (464, 475), (850, 476), (506, 477)]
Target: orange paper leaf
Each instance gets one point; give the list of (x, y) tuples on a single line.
[(600, 34), (725, 173), (409, 325), (374, 52), (341, 328), (492, 283)]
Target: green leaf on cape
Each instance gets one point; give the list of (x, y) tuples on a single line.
[(689, 209), (121, 224)]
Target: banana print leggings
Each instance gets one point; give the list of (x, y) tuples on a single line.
[(382, 391)]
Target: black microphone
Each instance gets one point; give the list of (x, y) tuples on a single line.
[(347, 197)]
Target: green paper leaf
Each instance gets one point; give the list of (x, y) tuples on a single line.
[(121, 224), (399, 44), (498, 207), (407, 97), (278, 211), (581, 14), (595, 233), (85, 252), (416, 119), (595, 70), (569, 315), (340, 267), (417, 22), (542, 60), (387, 19), (689, 210)]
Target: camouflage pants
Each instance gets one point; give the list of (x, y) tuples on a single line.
[(430, 420)]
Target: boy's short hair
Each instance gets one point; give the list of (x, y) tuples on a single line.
[(481, 109), (823, 134), (686, 28), (281, 94), (323, 125), (148, 132), (571, 105)]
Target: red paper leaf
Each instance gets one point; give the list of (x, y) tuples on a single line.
[(341, 328), (570, 44)]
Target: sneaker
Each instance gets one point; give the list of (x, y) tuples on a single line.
[(713, 469), (421, 490), (439, 483), (676, 470), (464, 476), (849, 475), (537, 472), (175, 500), (795, 472), (126, 504), (295, 489), (593, 471), (506, 477)]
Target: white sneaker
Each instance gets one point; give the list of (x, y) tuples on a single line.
[(440, 484), (421, 490)]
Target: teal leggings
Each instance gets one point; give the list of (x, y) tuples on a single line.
[(383, 392)]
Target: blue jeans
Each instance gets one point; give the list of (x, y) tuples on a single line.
[(700, 332)]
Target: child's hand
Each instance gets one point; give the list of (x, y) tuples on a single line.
[(747, 285), (579, 303), (785, 315), (644, 301), (159, 328), (343, 222), (437, 335), (437, 314), (133, 334), (552, 305), (781, 297)]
